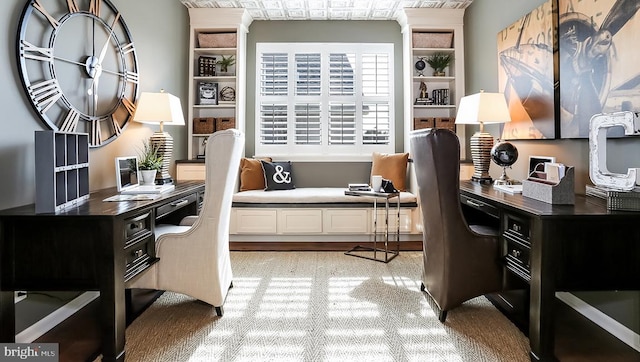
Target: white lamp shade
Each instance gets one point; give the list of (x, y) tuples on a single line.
[(159, 107), (483, 108)]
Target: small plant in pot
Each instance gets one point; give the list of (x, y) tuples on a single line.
[(439, 62), (149, 162), (225, 63)]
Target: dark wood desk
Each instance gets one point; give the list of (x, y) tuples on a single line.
[(549, 248), (97, 245)]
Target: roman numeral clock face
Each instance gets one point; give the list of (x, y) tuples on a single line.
[(79, 67)]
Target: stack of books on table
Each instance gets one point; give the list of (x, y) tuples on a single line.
[(359, 187), (617, 200)]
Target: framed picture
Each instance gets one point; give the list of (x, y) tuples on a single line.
[(208, 93), (526, 75), (536, 163), (598, 56)]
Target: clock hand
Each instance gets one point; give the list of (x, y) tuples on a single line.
[(103, 53), (84, 65)]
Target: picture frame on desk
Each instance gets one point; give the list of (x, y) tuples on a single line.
[(208, 93)]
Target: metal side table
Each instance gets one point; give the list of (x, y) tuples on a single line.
[(358, 250)]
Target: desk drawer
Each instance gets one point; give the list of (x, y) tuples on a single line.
[(175, 205), (137, 227), (480, 205), (518, 258), (139, 257), (517, 227)]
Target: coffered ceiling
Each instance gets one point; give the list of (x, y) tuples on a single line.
[(326, 9)]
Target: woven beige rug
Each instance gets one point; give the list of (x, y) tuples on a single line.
[(322, 306)]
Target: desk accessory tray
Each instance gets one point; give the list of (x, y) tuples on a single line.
[(561, 193), (617, 200)]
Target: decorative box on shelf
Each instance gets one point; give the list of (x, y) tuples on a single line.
[(432, 40), (208, 93), (207, 66), (204, 125), (217, 40)]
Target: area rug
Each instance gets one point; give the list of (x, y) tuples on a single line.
[(322, 306)]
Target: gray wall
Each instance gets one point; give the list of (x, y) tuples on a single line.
[(483, 20), (162, 44)]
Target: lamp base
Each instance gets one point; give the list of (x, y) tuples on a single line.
[(163, 142), (481, 144)]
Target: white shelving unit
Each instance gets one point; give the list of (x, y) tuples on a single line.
[(450, 21), (215, 20)]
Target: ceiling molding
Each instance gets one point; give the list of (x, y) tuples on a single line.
[(326, 9)]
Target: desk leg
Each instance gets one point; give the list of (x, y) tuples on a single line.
[(541, 311), (7, 317), (112, 301)]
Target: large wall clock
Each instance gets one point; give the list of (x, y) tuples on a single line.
[(78, 66)]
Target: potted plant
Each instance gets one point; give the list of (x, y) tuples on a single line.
[(149, 162), (225, 63), (439, 62)]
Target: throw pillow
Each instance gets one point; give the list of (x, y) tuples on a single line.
[(391, 166), (251, 174), (278, 175)]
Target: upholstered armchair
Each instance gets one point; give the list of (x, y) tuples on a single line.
[(195, 260), (460, 261)]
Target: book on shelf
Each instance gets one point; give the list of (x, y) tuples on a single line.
[(617, 200)]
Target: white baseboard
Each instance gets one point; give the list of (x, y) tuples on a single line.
[(607, 323), (45, 324)]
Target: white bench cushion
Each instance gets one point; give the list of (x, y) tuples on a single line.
[(309, 195)]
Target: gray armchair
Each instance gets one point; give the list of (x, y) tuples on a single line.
[(460, 261)]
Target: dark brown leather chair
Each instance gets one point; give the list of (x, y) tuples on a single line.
[(460, 261)]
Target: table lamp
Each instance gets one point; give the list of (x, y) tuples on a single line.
[(165, 109), (482, 108)]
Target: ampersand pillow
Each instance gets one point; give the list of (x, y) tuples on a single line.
[(277, 175)]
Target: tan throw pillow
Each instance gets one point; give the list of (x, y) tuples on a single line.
[(391, 166), (251, 174)]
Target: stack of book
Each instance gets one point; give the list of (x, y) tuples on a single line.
[(359, 187), (617, 200)]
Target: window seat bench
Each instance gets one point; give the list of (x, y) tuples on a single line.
[(317, 218)]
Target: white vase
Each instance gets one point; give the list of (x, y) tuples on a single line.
[(148, 177)]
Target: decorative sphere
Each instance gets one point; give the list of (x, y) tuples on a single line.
[(420, 64), (504, 154)]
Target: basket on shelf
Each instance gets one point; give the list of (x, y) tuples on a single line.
[(432, 40), (217, 40), (223, 123), (204, 125), (446, 122), (420, 123)]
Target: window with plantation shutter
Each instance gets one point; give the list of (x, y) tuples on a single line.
[(324, 99)]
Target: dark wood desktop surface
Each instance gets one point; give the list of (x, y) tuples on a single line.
[(96, 245), (580, 247)]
